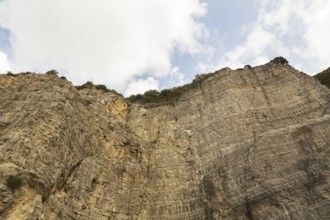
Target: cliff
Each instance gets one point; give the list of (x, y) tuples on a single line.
[(251, 143)]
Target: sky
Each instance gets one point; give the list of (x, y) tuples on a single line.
[(134, 46)]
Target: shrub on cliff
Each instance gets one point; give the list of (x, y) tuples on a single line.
[(9, 73), (86, 85), (101, 87), (169, 95), (280, 60), (14, 182), (52, 72)]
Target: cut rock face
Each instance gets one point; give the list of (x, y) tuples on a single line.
[(251, 143)]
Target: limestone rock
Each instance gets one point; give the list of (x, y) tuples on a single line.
[(251, 143)]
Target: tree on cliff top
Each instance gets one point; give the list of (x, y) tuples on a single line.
[(280, 60)]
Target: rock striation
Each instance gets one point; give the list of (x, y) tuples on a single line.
[(250, 143)]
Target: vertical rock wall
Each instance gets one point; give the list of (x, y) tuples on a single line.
[(248, 144)]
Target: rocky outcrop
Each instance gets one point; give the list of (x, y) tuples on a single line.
[(251, 143)]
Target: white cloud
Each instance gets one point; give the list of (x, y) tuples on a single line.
[(142, 85), (297, 30), (318, 34), (255, 49), (4, 63), (106, 41), (139, 86), (175, 78)]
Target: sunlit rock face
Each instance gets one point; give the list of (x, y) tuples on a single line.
[(251, 143)]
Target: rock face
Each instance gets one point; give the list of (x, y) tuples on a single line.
[(250, 143)]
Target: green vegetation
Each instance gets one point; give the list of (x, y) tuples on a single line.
[(324, 77), (247, 66), (89, 85), (280, 60), (52, 72), (55, 73), (9, 73), (14, 182), (168, 96), (86, 85)]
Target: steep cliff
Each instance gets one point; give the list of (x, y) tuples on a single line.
[(251, 143)]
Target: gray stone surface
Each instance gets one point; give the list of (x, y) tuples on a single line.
[(251, 143)]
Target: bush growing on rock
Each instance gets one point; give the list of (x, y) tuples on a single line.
[(280, 60), (52, 72), (9, 73), (88, 84), (14, 182), (101, 87), (169, 95)]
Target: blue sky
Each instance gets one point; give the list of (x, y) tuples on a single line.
[(223, 20), (133, 46)]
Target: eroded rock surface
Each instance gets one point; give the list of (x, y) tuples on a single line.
[(252, 143)]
